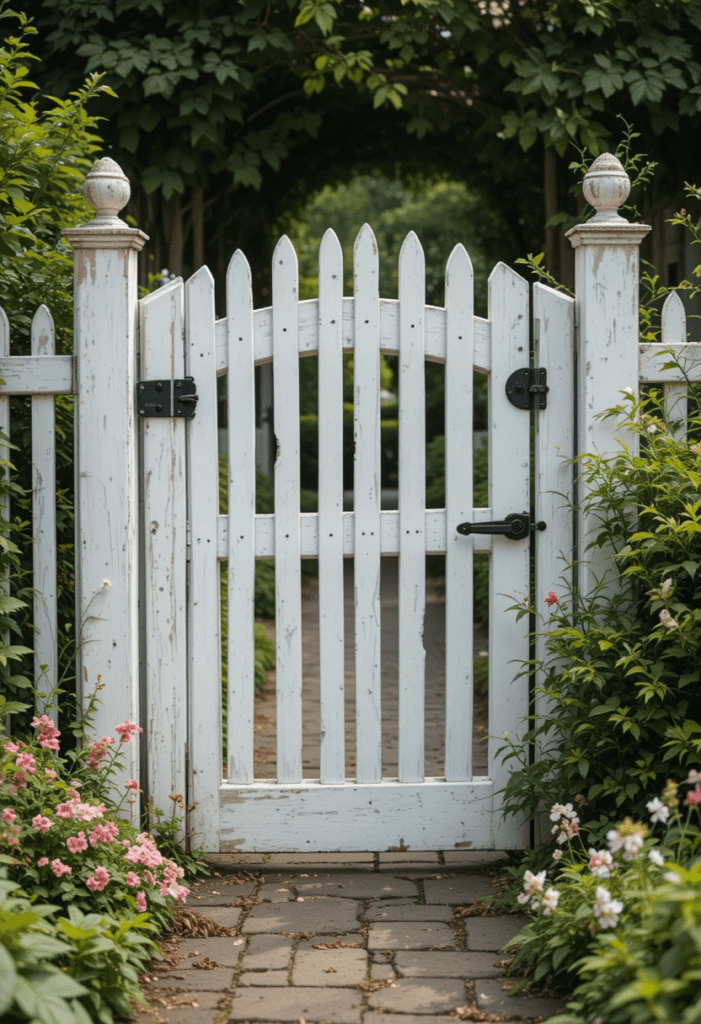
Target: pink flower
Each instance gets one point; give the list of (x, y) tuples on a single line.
[(10, 747), (693, 776), (41, 823), (59, 868), (98, 750), (125, 842), (141, 901), (693, 797), (76, 844), (106, 833), (42, 862), (66, 810), (20, 782), (145, 853), (126, 729), (149, 877), (27, 762), (9, 815), (133, 879), (98, 880), (51, 774), (48, 734), (87, 812), (552, 598), (131, 784)]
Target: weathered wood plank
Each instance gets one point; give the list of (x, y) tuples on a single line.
[(459, 300), (427, 816), (412, 510), (434, 319), (205, 745), (435, 534), (45, 641), (37, 375), (288, 593), (653, 358), (553, 317), (161, 316), (509, 488), (242, 506), (5, 506), (330, 518), (366, 386), (674, 333)]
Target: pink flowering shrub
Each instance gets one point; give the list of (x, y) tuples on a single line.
[(64, 833), (630, 898)]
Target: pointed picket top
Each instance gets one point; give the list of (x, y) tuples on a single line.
[(673, 320), (411, 255), (162, 295), (330, 250), (284, 252), (43, 332), (202, 278), (238, 283), (4, 333), (365, 242), (506, 280), (458, 269)]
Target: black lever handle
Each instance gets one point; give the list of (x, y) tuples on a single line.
[(516, 526)]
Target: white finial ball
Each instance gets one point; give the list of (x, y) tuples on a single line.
[(606, 187), (107, 190)]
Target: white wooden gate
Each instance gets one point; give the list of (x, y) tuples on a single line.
[(186, 537)]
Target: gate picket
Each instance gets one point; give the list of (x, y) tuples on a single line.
[(509, 489), (459, 303), (44, 516), (288, 580), (165, 514), (412, 510), (331, 626), (673, 332), (242, 507), (366, 504), (205, 745)]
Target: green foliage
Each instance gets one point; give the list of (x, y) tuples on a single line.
[(623, 670), (309, 448), (72, 969)]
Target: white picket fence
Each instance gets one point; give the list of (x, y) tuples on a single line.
[(180, 335)]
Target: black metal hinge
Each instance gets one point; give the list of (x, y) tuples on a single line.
[(527, 388), (167, 398)]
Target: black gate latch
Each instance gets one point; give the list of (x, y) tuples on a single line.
[(516, 526), (527, 388), (167, 398)]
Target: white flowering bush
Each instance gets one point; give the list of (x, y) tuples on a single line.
[(621, 919)]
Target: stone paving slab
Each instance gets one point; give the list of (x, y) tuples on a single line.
[(263, 979), (461, 889), (330, 967), (410, 935), (276, 892), (226, 916), (332, 1006), (445, 964), (382, 972), (492, 933), (408, 912), (391, 1018), (268, 952), (217, 948), (189, 1015), (205, 1000), (322, 916), (492, 997), (217, 980), (435, 995), (352, 886), (217, 894)]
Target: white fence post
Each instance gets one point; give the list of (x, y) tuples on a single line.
[(106, 538), (606, 319)]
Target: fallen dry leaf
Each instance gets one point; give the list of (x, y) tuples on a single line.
[(188, 921), (207, 964)]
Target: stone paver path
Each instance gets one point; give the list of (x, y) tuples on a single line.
[(338, 940)]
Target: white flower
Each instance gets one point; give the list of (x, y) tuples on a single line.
[(666, 619), (665, 588), (656, 857), (601, 863), (632, 845), (556, 812), (629, 391), (550, 901), (693, 776), (533, 883), (658, 810), (606, 909), (105, 584), (557, 854), (672, 876)]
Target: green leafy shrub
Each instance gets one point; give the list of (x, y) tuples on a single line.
[(77, 968), (623, 671), (623, 919)]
